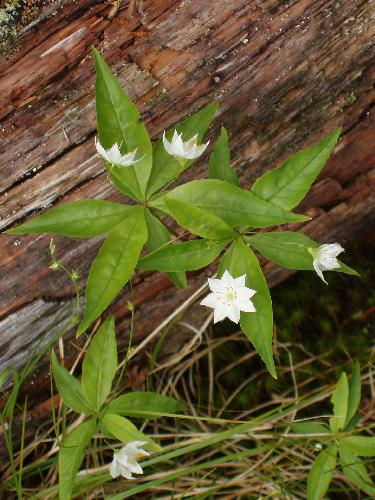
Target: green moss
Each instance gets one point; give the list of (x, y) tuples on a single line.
[(15, 15), (159, 97), (351, 99), (272, 9)]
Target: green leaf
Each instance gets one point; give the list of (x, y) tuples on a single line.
[(257, 326), (219, 164), (287, 185), (197, 220), (100, 363), (346, 269), (364, 446), (187, 256), (146, 405), (71, 453), (308, 428), (321, 473), (158, 235), (123, 430), (339, 400), (354, 392), (355, 471), (233, 205), (79, 218), (289, 249), (166, 168), (113, 265), (119, 121), (70, 388)]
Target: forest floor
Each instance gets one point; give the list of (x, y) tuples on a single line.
[(319, 331)]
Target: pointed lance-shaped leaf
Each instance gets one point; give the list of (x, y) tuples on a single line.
[(99, 364), (119, 122), (321, 473), (114, 264), (364, 446), (354, 392), (71, 452), (80, 218), (70, 388), (257, 326), (355, 471), (198, 220), (148, 405), (186, 256), (125, 431), (235, 206), (287, 185), (339, 400), (289, 249), (219, 164)]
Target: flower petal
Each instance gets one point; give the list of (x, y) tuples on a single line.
[(245, 293), (113, 469), (190, 145), (125, 471), (211, 300), (128, 159), (220, 312), (333, 249), (227, 279), (240, 282), (178, 145), (216, 285), (134, 467), (318, 270), (244, 305), (167, 145), (100, 149), (233, 313)]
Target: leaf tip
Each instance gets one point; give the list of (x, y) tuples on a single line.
[(95, 51), (272, 371), (10, 231), (303, 218), (82, 328), (337, 131)]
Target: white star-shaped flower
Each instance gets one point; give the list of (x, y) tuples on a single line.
[(125, 462), (325, 258), (229, 296), (186, 150), (113, 155)]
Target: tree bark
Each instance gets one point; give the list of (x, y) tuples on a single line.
[(285, 74)]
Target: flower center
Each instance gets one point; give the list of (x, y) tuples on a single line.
[(230, 295)]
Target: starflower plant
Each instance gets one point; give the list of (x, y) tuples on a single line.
[(325, 258), (225, 219), (340, 442), (181, 150), (229, 296), (93, 396), (125, 462), (113, 155)]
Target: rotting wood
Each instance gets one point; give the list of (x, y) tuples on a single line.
[(284, 74)]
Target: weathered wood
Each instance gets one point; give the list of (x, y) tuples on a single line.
[(284, 73)]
